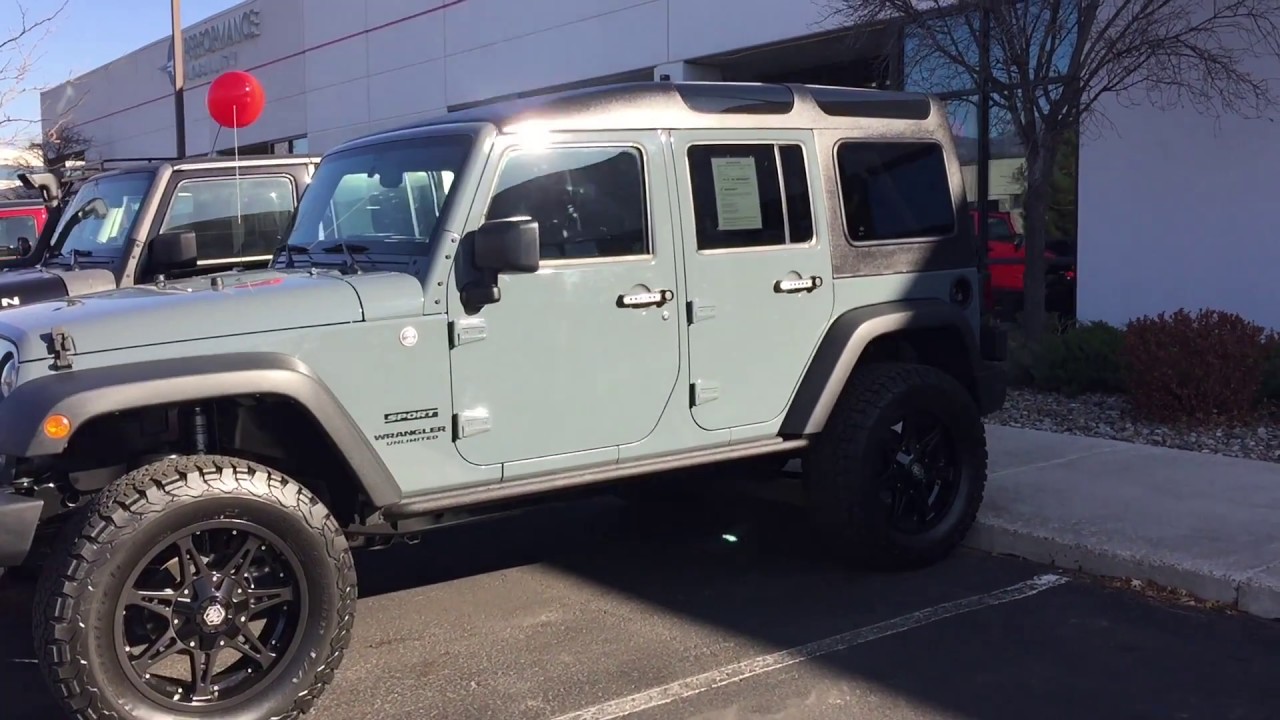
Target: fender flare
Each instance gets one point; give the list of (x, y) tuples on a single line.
[(846, 339), (83, 395)]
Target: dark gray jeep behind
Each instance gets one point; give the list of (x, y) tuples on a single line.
[(175, 219)]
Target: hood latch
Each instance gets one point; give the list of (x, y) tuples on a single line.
[(64, 346)]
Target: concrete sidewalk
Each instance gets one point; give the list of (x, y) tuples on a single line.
[(1203, 523)]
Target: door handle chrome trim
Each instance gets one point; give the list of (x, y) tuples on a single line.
[(655, 298), (808, 284)]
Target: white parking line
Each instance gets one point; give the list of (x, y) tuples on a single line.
[(739, 671)]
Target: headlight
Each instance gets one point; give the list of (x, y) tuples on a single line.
[(8, 376)]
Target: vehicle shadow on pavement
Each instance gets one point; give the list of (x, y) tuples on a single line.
[(753, 575)]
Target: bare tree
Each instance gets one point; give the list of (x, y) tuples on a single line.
[(1054, 62), (60, 143), (20, 36)]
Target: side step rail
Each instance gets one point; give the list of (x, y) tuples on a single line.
[(501, 491)]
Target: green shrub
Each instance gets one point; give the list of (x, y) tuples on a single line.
[(1087, 358), (1203, 367)]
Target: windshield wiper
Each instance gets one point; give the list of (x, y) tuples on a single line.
[(75, 254), (289, 250), (348, 249)]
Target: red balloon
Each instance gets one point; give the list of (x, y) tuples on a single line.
[(236, 99)]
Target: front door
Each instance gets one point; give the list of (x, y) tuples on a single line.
[(576, 356), (758, 270)]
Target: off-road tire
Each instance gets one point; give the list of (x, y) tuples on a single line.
[(844, 501), (77, 593)]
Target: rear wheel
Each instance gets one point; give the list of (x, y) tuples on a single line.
[(898, 474), (192, 586)]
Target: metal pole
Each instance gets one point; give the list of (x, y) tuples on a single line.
[(984, 119), (179, 80)]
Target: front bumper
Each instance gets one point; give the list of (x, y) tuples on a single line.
[(19, 517)]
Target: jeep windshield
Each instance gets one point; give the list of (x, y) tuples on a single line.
[(101, 216), (380, 198)]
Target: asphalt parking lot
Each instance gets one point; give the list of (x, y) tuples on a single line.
[(595, 610)]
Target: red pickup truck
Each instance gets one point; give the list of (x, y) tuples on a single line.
[(1007, 258), (21, 222)]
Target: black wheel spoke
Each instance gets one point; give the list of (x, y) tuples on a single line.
[(157, 601), (920, 507), (238, 566), (204, 663), (251, 647), (929, 442), (190, 563), (163, 647), (264, 599)]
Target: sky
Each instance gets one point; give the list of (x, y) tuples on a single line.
[(90, 33)]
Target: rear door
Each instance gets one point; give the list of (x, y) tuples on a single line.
[(757, 269)]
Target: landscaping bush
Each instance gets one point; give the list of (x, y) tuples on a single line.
[(1087, 358), (1202, 367)]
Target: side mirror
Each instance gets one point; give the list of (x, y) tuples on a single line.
[(173, 251), (509, 245), (24, 246)]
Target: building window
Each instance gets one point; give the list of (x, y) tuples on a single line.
[(894, 190), (589, 202), (738, 196)]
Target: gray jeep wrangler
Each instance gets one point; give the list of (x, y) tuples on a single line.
[(490, 307)]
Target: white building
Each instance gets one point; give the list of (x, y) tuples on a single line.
[(1167, 212)]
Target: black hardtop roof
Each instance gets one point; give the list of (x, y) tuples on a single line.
[(691, 105), (199, 162), (21, 203)]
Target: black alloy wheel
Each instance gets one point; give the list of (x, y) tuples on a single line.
[(919, 472), (225, 597)]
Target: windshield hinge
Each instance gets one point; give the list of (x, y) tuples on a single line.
[(64, 346)]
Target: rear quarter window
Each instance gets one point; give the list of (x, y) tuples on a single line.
[(894, 191)]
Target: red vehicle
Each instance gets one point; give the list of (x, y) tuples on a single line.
[(21, 222), (1007, 258)]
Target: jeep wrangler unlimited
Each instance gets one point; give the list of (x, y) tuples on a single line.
[(497, 305), (179, 218)]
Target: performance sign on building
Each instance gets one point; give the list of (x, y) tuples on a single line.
[(211, 49)]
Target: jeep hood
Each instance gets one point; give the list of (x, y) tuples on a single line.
[(196, 309), (24, 286)]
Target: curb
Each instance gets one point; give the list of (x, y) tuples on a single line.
[(1256, 593)]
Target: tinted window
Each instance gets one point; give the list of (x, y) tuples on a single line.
[(589, 202), (16, 226), (738, 199), (894, 191), (232, 218)]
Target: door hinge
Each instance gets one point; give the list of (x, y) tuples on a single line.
[(471, 423), (469, 330), (705, 391), (700, 310), (63, 347)]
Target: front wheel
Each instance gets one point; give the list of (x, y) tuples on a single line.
[(896, 477), (196, 586)]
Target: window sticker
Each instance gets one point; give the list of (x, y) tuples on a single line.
[(737, 193)]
